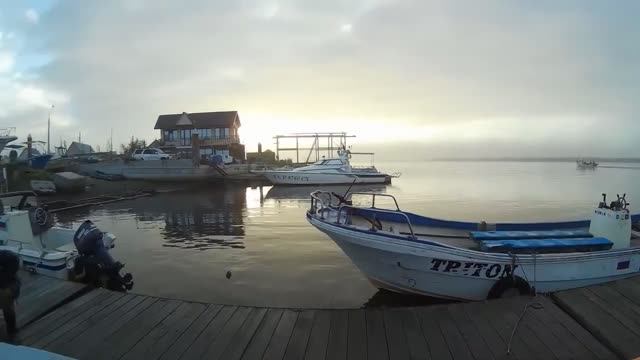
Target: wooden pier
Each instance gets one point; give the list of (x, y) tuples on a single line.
[(600, 322)]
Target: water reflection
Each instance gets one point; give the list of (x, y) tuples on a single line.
[(303, 192), (203, 221)]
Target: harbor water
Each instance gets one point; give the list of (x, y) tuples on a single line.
[(232, 244)]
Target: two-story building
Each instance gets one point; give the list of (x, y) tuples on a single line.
[(217, 134)]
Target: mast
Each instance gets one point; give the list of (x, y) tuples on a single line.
[(49, 131)]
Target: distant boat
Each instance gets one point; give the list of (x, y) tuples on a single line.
[(328, 172), (586, 164)]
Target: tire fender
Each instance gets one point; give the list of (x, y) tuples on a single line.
[(511, 282)]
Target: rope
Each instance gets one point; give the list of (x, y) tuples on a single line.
[(533, 303)]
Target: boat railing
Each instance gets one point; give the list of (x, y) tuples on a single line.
[(320, 206), (377, 210)]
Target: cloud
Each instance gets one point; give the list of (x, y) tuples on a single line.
[(439, 71), (6, 62), (32, 16)]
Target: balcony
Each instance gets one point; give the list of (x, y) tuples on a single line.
[(217, 141)]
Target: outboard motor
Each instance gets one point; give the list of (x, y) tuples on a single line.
[(95, 260), (612, 222)]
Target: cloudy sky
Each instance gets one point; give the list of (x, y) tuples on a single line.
[(443, 78)]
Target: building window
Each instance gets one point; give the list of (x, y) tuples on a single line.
[(168, 135), (204, 133)]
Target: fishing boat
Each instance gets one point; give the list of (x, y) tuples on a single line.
[(27, 230), (329, 172), (586, 164), (404, 252)]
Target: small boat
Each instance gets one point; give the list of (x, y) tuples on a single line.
[(586, 164), (328, 172), (43, 187), (404, 252), (27, 230), (70, 182), (6, 136)]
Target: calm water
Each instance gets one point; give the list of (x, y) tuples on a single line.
[(183, 245)]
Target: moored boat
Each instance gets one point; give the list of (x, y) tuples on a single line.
[(70, 182), (405, 252), (328, 172), (27, 230)]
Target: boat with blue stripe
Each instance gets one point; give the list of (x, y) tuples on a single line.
[(406, 252)]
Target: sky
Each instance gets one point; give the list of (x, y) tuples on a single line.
[(425, 78)]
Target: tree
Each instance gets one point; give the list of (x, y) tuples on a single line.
[(128, 149)]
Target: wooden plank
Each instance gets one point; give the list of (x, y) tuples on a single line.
[(416, 344), (554, 328), (601, 324), (457, 345), (540, 349), (469, 333), (262, 336), (93, 340), (164, 334), (68, 340), (628, 288), (282, 334), (433, 335), (357, 336), (376, 335), (396, 338), (68, 325), (61, 315), (192, 332), (300, 337), (599, 350), (337, 345), (209, 334), (217, 347), (319, 338), (488, 333), (244, 335), (119, 343), (621, 308), (502, 326)]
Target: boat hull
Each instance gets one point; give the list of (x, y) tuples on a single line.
[(400, 264), (302, 178)]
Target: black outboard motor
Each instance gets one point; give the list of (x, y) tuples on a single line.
[(95, 260)]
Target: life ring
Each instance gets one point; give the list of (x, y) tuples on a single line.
[(501, 287)]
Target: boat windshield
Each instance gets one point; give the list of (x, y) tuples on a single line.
[(329, 162)]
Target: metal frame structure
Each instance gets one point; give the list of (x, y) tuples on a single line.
[(334, 141)]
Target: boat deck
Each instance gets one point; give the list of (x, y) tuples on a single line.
[(108, 325)]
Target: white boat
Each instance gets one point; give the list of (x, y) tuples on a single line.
[(6, 136), (328, 172), (404, 252), (26, 230)]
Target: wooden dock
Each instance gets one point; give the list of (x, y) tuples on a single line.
[(600, 322), (41, 295)]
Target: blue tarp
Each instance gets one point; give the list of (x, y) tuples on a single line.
[(540, 245)]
